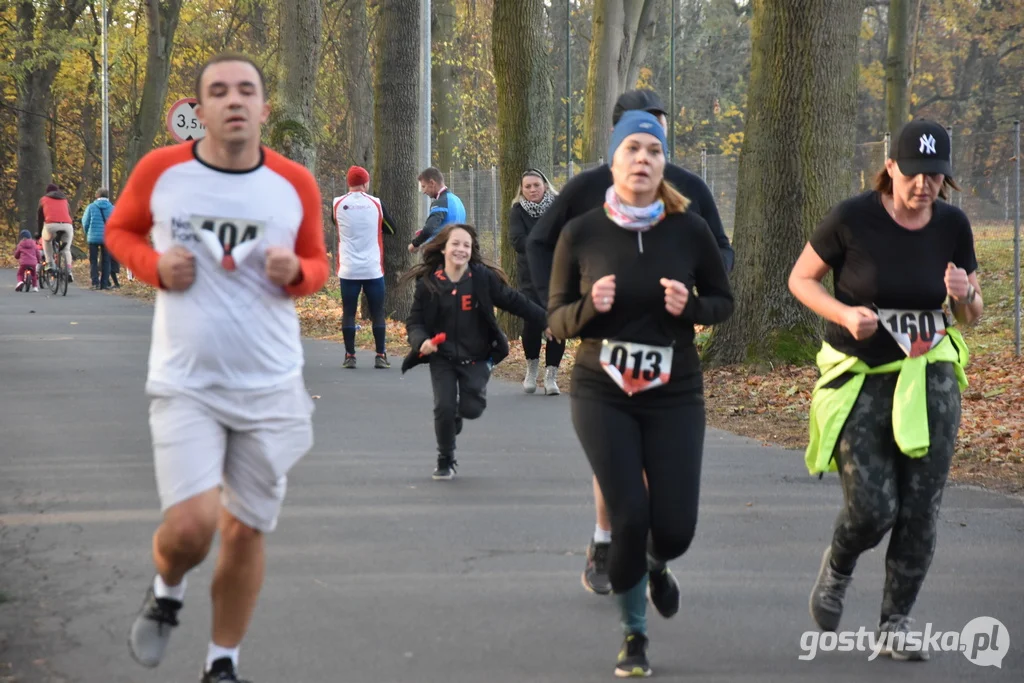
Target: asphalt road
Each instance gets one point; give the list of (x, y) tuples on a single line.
[(378, 574)]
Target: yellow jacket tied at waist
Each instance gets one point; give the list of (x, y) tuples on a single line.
[(830, 407)]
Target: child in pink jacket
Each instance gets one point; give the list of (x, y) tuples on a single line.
[(28, 258)]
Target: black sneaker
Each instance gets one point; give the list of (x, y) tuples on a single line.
[(663, 591), (350, 362), (445, 468), (595, 576), (381, 362), (828, 594), (633, 657), (151, 630), (220, 671)]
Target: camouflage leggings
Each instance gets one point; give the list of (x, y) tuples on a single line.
[(885, 490)]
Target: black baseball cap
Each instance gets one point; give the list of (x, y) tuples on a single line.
[(643, 99), (922, 146)]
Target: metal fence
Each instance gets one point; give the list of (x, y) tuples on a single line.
[(985, 165)]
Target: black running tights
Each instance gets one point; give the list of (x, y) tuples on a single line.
[(622, 441)]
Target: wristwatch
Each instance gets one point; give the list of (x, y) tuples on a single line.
[(969, 299)]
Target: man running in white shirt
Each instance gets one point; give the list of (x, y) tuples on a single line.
[(362, 221), (237, 233)]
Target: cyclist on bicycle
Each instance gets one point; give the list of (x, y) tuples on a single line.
[(55, 219)]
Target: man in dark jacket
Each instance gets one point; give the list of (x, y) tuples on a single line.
[(584, 192)]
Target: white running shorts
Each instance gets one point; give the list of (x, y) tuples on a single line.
[(242, 441)]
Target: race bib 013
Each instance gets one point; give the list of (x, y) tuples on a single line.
[(229, 240), (636, 367), (917, 332)]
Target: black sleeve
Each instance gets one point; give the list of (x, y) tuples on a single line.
[(513, 301), (713, 302), (827, 238), (41, 220), (709, 212), (389, 224), (517, 229), (415, 324), (435, 219), (568, 311), (964, 255), (540, 245)]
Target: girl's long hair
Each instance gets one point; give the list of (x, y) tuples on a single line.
[(433, 257)]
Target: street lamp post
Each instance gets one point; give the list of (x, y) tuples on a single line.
[(105, 89)]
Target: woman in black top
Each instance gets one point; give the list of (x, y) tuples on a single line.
[(897, 254), (456, 292), (622, 281), (534, 198)]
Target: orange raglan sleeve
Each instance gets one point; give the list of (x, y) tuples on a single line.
[(309, 243), (127, 230)]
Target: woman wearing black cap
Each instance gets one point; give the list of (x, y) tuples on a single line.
[(622, 281), (533, 199), (886, 410)]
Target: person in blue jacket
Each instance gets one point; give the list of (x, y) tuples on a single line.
[(94, 221), (445, 209)]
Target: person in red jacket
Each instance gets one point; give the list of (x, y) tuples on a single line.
[(54, 218)]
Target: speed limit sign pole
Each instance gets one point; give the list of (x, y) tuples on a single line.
[(182, 122)]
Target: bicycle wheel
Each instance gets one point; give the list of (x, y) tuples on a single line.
[(64, 277), (54, 276)]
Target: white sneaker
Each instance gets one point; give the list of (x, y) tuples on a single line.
[(532, 369), (17, 288), (550, 385), (35, 289)]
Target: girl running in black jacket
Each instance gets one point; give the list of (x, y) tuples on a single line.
[(623, 280), (456, 293)]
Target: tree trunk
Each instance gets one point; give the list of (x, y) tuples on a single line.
[(360, 87), (618, 42), (524, 109), (162, 20), (444, 84), (396, 99), (38, 56), (897, 107), (793, 168), (88, 183), (292, 131), (602, 77), (639, 18)]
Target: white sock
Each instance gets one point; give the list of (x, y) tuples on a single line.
[(162, 590), (216, 652), (602, 535)]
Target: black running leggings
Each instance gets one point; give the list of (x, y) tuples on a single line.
[(460, 390), (622, 441), (885, 490), (534, 333)]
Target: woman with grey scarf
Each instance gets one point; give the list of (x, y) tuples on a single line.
[(534, 197)]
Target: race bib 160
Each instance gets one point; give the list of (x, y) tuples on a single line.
[(636, 367), (229, 240), (917, 332)]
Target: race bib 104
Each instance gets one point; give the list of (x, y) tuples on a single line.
[(917, 332), (229, 240), (636, 367)]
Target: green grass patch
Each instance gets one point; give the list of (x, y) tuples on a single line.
[(995, 331)]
